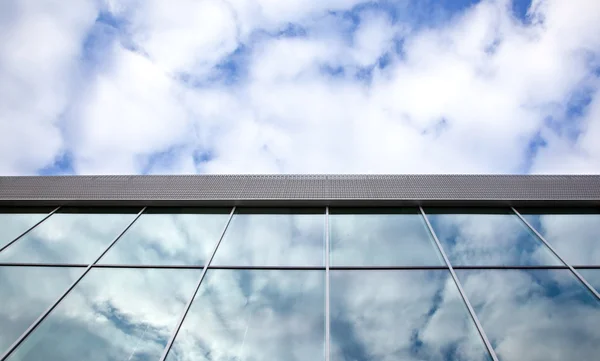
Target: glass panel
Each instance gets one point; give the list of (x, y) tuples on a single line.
[(25, 293), (170, 236), (274, 237), (381, 237), (71, 235), (535, 315), (488, 237), (15, 221), (592, 276), (113, 314), (573, 233), (255, 315), (400, 315)]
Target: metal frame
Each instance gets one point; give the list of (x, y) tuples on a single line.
[(61, 297), (29, 229), (484, 337), (189, 304), (327, 313), (579, 277)]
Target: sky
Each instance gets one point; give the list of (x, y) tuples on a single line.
[(299, 86)]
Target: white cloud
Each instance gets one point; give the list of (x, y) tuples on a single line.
[(466, 95)]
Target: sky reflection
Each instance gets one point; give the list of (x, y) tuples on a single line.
[(112, 314), (176, 236), (573, 233), (487, 237), (274, 237), (72, 235), (400, 315), (381, 237), (535, 315), (254, 315)]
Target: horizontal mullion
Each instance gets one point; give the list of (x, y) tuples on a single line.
[(35, 264)]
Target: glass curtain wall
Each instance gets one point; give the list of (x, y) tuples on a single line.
[(330, 284)]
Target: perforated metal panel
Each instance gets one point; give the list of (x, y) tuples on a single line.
[(310, 189)]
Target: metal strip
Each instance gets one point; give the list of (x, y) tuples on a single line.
[(189, 304), (327, 318), (484, 337), (53, 306), (73, 265), (28, 230), (557, 255)]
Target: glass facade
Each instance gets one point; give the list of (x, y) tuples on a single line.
[(254, 284)]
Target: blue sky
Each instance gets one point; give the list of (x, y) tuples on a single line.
[(264, 86)]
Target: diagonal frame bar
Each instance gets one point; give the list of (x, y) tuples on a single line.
[(484, 337), (64, 294), (573, 270), (189, 304), (30, 228)]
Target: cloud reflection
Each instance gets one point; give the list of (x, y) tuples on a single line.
[(488, 237), (274, 237), (112, 314), (576, 237), (170, 236), (535, 315), (26, 292), (254, 315), (379, 237), (13, 223), (70, 236), (400, 315)]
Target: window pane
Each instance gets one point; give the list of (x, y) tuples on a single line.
[(71, 235), (487, 237), (535, 315), (274, 237), (381, 237), (25, 293), (175, 236), (573, 233), (255, 315), (400, 315), (113, 314), (592, 276), (15, 221)]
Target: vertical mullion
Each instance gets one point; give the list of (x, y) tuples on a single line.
[(30, 228), (191, 300), (64, 294), (327, 256), (573, 270), (484, 337)]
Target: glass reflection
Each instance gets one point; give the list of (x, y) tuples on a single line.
[(255, 315), (592, 276), (112, 314), (535, 315), (71, 235), (381, 237), (25, 293), (487, 237), (274, 237), (15, 221), (175, 236), (400, 315), (573, 233)]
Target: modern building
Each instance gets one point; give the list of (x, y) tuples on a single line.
[(300, 268)]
